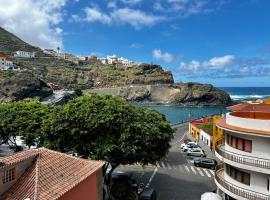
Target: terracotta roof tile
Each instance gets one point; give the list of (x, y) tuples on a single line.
[(250, 107), (51, 176)]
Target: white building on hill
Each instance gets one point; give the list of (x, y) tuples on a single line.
[(6, 62), (24, 54), (112, 59)]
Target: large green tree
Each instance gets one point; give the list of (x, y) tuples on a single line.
[(108, 128), (22, 119)]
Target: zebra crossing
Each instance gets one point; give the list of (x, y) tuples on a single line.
[(189, 169)]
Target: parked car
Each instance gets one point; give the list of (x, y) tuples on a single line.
[(123, 177), (187, 143), (148, 194), (190, 146), (195, 152), (205, 162)]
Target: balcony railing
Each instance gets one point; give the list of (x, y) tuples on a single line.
[(245, 193), (243, 159)]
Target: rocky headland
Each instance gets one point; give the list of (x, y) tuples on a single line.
[(138, 83)]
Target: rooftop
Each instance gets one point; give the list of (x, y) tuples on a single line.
[(51, 175), (5, 56), (250, 107), (257, 123)]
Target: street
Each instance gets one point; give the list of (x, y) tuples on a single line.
[(176, 177)]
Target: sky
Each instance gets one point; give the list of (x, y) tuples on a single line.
[(222, 42)]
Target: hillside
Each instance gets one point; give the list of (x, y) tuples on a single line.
[(69, 75), (10, 43), (20, 85)]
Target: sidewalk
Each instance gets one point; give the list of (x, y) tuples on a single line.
[(207, 150)]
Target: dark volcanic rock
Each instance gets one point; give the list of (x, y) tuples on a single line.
[(19, 85), (186, 94)]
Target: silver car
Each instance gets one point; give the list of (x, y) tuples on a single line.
[(195, 152)]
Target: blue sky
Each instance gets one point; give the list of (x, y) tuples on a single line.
[(222, 42)]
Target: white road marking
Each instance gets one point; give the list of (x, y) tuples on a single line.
[(158, 165), (193, 169), (151, 178), (169, 166), (162, 164), (179, 167), (212, 172), (206, 172), (201, 173), (187, 169)]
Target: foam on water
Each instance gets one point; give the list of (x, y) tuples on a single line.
[(246, 97)]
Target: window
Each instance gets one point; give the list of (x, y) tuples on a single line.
[(9, 175), (239, 143), (238, 175)]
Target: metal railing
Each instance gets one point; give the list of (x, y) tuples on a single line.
[(243, 159), (245, 193)]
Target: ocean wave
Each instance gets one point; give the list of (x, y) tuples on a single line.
[(251, 96)]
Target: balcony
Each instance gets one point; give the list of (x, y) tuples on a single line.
[(243, 159), (241, 192)]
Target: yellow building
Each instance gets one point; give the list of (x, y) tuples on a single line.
[(194, 131), (218, 135), (267, 101)]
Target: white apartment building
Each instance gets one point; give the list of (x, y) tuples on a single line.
[(112, 59), (24, 54), (245, 171), (50, 52), (6, 62)]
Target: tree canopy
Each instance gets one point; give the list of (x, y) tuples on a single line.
[(22, 119), (108, 128)]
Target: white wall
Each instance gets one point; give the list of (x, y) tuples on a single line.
[(255, 124), (258, 181), (204, 136), (260, 145)]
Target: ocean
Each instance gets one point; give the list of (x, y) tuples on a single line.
[(178, 114), (247, 93)]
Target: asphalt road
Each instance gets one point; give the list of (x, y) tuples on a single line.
[(176, 178)]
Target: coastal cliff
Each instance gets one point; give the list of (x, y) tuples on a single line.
[(185, 94), (20, 85)]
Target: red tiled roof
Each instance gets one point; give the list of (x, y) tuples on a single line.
[(5, 56), (250, 107), (50, 176)]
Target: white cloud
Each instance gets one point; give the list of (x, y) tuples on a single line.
[(136, 18), (219, 62), (214, 65), (133, 17), (131, 2), (112, 4), (135, 46), (94, 14), (36, 22), (165, 57)]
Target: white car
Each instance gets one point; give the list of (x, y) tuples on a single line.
[(190, 146), (196, 152), (185, 144)]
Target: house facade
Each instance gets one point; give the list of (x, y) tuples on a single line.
[(245, 169), (42, 174), (6, 62), (24, 54)]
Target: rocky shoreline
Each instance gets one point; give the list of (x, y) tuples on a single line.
[(182, 94)]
